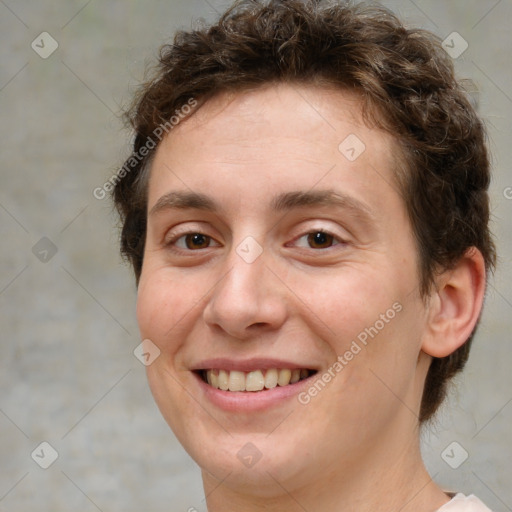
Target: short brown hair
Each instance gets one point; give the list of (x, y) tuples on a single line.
[(407, 85)]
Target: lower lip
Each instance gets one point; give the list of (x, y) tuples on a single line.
[(251, 401)]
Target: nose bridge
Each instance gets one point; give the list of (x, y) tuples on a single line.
[(248, 294), (245, 280)]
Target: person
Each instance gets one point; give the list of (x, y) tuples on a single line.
[(306, 212)]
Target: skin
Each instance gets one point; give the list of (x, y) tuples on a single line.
[(355, 445)]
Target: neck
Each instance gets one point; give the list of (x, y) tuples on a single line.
[(391, 479)]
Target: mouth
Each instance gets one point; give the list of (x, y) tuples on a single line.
[(253, 381)]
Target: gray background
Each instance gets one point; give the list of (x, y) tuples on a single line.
[(67, 371)]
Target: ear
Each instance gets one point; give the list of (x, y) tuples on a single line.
[(454, 308)]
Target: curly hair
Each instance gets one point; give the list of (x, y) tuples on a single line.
[(407, 86)]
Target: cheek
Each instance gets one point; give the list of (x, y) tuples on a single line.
[(170, 305), (384, 368), (344, 302), (162, 302), (369, 317), (152, 302)]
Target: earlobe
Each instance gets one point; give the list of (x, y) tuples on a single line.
[(455, 306)]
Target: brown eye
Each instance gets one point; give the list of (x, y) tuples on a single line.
[(320, 240), (197, 241)]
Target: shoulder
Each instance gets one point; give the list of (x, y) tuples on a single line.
[(461, 503)]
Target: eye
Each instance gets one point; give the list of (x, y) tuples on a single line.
[(193, 241), (317, 240)]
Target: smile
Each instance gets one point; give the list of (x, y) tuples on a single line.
[(256, 380)]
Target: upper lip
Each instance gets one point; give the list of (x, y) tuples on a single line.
[(247, 365)]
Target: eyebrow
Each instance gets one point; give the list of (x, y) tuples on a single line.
[(283, 202), (292, 200), (184, 200)]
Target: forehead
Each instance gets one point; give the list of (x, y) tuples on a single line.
[(278, 111), (277, 134)]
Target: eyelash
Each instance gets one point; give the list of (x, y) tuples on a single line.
[(335, 239), (172, 243)]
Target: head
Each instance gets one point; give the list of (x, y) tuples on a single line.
[(251, 128)]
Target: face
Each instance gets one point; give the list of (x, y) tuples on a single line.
[(280, 285)]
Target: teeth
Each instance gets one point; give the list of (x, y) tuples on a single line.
[(284, 377), (223, 380), (256, 380), (236, 381), (271, 378)]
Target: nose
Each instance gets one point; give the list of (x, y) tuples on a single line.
[(248, 300)]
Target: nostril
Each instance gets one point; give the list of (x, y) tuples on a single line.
[(258, 324)]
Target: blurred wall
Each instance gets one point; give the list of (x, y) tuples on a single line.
[(67, 373)]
